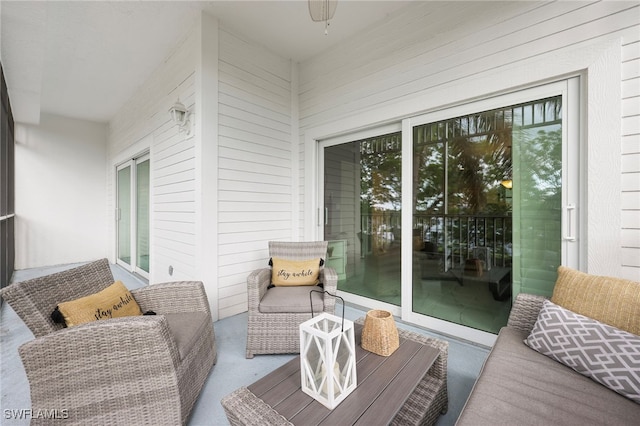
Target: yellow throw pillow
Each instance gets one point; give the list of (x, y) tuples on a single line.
[(613, 301), (112, 302), (295, 272)]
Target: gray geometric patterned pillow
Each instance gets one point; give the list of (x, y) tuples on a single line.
[(608, 355)]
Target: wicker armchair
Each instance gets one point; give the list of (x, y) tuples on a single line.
[(278, 332), (131, 370)]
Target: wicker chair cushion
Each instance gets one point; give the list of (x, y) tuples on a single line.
[(613, 301), (291, 300), (113, 302), (186, 328), (287, 272)]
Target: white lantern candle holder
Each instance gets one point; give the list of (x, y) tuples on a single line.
[(328, 358)]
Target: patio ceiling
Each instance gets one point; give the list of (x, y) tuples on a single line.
[(86, 59)]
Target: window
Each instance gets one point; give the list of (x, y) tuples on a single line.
[(133, 215), (485, 185), (444, 217), (362, 198), (7, 216)]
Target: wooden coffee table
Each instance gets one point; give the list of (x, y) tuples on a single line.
[(408, 387)]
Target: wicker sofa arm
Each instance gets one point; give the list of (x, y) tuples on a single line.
[(257, 285), (524, 311), (72, 371), (172, 297)]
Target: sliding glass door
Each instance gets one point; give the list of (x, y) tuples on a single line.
[(132, 228), (452, 213), (486, 185), (362, 214)]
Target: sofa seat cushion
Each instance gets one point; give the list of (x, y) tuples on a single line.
[(519, 386), (291, 300), (186, 328)]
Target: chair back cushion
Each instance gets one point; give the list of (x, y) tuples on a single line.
[(295, 272), (613, 301), (113, 302), (34, 300)]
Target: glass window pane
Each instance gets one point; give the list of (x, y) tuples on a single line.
[(362, 198), (538, 202), (124, 215), (489, 189), (142, 215)]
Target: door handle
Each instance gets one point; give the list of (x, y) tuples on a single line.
[(570, 222)]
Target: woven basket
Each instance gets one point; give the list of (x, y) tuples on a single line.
[(380, 334)]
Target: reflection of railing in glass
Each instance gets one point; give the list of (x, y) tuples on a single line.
[(453, 238)]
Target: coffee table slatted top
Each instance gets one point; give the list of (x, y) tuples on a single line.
[(384, 384)]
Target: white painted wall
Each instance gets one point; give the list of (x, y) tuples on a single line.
[(434, 55), (219, 195), (143, 124), (219, 198), (60, 192), (254, 163)]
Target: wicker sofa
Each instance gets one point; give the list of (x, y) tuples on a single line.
[(518, 385), (121, 371)]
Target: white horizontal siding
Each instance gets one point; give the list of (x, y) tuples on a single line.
[(172, 156), (429, 50), (630, 184), (254, 163), (174, 175), (520, 38)]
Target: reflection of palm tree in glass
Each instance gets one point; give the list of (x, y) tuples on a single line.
[(459, 165), (476, 166), (380, 178), (380, 187), (544, 181)]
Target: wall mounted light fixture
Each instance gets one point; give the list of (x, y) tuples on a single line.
[(181, 116)]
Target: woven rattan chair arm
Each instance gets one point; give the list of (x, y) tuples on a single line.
[(257, 284), (172, 297), (329, 279), (132, 359), (524, 311)]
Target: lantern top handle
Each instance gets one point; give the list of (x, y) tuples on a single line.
[(332, 295)]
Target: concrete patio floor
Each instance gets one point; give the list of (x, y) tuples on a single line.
[(232, 370)]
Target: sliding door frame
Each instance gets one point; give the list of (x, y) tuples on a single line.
[(573, 199), (346, 138), (133, 202), (7, 186), (573, 205)]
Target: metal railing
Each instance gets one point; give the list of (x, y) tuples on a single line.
[(456, 236), (452, 237)]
